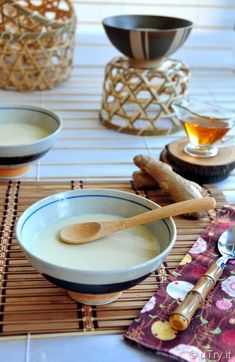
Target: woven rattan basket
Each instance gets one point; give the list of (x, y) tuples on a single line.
[(36, 43)]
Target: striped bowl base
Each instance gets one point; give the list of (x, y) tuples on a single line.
[(94, 299), (13, 172)]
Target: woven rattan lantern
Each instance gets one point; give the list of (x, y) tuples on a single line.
[(36, 43), (139, 89), (137, 100)]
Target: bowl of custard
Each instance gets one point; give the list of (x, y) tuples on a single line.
[(26, 134), (97, 272)]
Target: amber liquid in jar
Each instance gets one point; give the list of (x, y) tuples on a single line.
[(200, 132)]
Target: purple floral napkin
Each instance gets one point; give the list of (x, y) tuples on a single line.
[(211, 334)]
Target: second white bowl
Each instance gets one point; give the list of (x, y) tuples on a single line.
[(26, 134)]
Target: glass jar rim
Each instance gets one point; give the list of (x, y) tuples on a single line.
[(191, 105)]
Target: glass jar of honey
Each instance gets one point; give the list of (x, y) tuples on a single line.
[(205, 124)]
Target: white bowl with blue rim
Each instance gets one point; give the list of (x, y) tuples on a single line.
[(59, 261), (26, 134)]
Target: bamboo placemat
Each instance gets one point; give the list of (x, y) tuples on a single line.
[(31, 304)]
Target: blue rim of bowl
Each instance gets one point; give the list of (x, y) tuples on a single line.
[(172, 235), (39, 110)]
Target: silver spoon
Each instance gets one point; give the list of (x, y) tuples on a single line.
[(182, 315)]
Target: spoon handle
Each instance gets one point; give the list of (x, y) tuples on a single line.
[(179, 208), (182, 315)]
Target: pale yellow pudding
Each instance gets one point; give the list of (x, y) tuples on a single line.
[(120, 250), (12, 133)]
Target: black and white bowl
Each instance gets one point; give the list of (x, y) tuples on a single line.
[(147, 39), (95, 280), (20, 145)]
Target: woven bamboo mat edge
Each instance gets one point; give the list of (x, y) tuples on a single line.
[(54, 335), (15, 198)]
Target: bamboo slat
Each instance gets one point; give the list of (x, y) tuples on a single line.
[(31, 304)]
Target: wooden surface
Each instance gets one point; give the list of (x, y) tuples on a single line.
[(225, 156), (31, 304), (201, 170)]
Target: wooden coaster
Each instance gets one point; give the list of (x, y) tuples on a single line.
[(202, 170)]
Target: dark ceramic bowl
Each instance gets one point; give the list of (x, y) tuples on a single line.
[(147, 37), (94, 278)]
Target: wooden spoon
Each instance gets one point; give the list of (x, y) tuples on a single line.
[(89, 231)]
